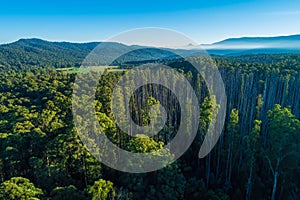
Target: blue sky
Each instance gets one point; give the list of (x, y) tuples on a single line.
[(204, 21)]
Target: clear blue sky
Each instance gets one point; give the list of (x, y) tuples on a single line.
[(95, 20)]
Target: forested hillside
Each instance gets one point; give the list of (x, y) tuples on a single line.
[(257, 156), (26, 53)]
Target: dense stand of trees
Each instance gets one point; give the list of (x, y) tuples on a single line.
[(257, 156), (36, 52), (26, 53)]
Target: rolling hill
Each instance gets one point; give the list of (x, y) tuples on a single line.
[(41, 53)]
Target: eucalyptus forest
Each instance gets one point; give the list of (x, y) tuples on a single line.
[(256, 157)]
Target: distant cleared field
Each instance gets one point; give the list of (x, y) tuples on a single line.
[(91, 68)]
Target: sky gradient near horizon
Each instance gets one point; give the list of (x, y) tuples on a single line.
[(95, 20)]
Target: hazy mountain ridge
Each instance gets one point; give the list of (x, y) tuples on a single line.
[(38, 52), (255, 45)]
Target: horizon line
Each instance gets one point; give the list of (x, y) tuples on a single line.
[(99, 41)]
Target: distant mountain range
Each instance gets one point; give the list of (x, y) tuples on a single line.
[(255, 45), (37, 52)]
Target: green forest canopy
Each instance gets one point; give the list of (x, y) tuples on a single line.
[(257, 156)]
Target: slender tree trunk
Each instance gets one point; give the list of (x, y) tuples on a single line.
[(274, 185), (249, 183), (48, 164), (240, 158), (207, 169), (275, 173), (228, 166), (219, 157), (84, 171)]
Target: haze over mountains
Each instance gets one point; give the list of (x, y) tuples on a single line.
[(254, 45), (63, 54)]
